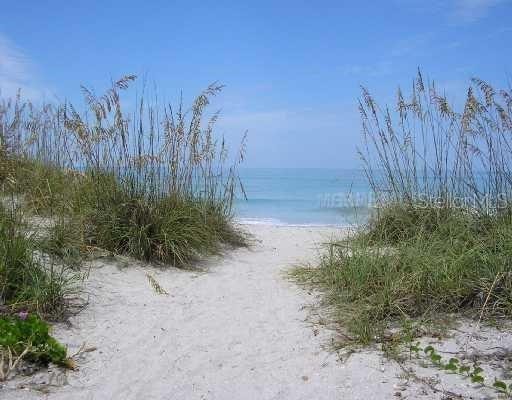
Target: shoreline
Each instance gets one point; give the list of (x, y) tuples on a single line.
[(272, 222)]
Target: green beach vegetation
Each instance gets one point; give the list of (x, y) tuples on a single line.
[(30, 280), (152, 182), (440, 238), (33, 285), (145, 181)]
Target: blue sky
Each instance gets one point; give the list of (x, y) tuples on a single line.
[(292, 69)]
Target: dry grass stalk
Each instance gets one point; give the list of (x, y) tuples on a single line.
[(155, 285)]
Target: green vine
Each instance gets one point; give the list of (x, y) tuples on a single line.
[(454, 365)]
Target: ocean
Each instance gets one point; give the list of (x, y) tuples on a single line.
[(303, 196)]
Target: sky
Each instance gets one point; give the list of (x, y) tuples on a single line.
[(292, 70)]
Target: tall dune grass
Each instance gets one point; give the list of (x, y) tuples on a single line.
[(149, 181), (439, 239), (424, 151)]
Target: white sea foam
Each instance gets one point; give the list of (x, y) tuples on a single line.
[(277, 222)]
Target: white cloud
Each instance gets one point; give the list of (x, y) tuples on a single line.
[(473, 10), (17, 72)]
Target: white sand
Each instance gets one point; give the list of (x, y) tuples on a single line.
[(238, 331)]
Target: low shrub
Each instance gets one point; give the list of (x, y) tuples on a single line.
[(30, 332)]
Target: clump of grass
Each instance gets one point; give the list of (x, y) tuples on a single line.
[(29, 280), (63, 240), (440, 239), (170, 230), (45, 187), (154, 183), (399, 222), (452, 269)]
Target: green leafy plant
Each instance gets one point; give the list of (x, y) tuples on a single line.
[(474, 372), (27, 336)]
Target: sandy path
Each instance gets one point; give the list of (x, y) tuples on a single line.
[(238, 331)]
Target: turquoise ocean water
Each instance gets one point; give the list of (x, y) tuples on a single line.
[(303, 196)]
